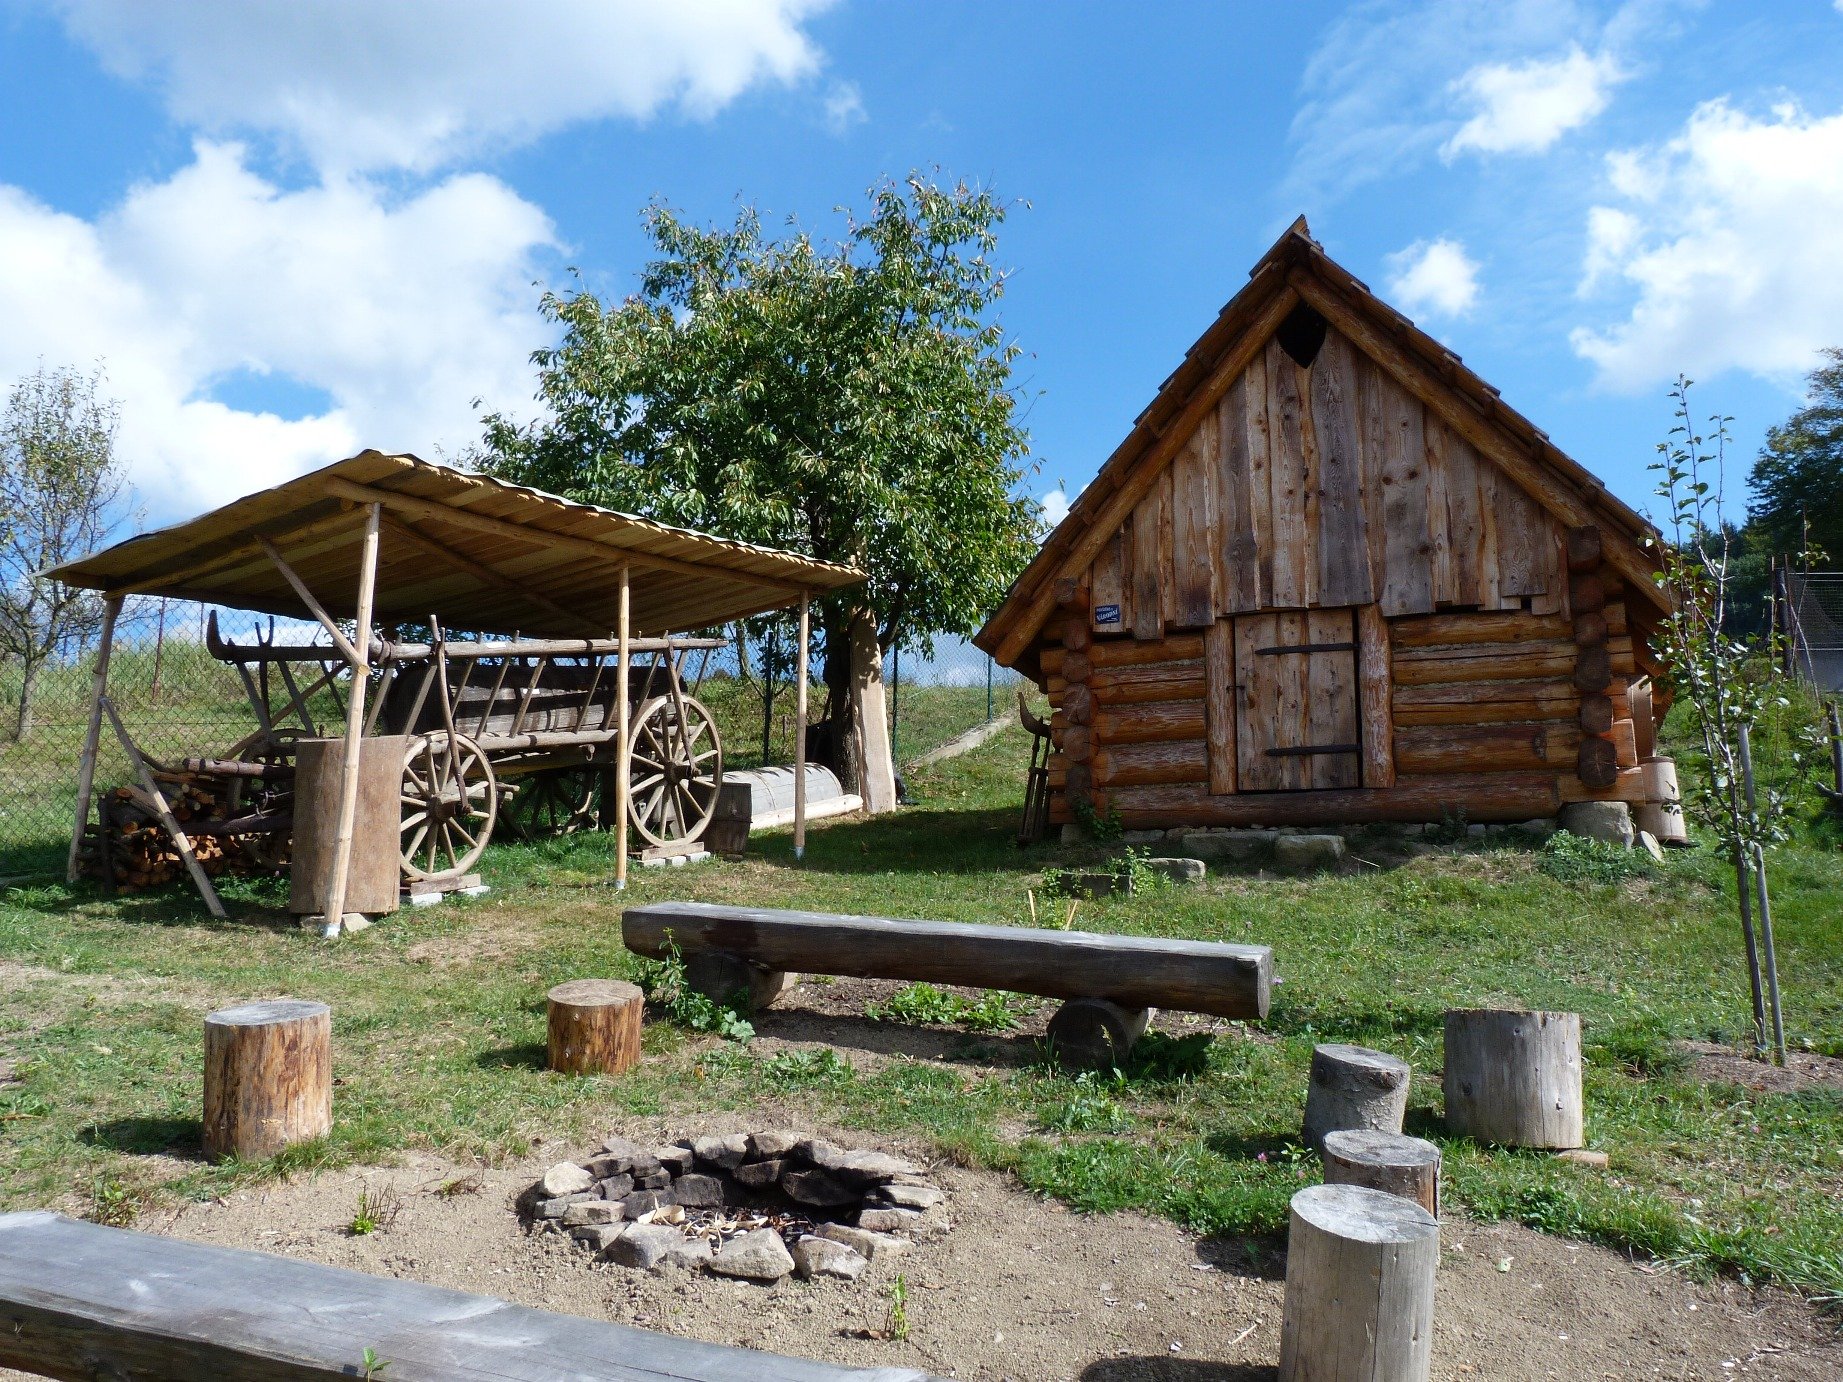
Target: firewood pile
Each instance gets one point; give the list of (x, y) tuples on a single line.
[(131, 851)]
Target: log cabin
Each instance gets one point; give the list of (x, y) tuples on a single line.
[(1331, 577)]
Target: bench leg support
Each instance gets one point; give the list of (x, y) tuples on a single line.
[(1094, 1034), (721, 976)]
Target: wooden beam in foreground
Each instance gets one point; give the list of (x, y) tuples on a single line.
[(78, 1300)]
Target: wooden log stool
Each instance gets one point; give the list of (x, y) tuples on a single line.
[(268, 1077), (1514, 1078), (1354, 1087), (1094, 1034), (1386, 1161), (594, 1026), (1359, 1287)]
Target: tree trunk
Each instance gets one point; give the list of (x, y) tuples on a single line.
[(28, 688), (841, 710)]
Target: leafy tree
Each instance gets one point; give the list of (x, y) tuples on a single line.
[(61, 491), (1797, 481), (853, 402)]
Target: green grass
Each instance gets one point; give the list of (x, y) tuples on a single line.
[(439, 1030)]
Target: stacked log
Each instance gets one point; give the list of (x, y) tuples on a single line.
[(130, 851), (1075, 706)]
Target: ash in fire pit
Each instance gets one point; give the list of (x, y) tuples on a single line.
[(755, 1205)]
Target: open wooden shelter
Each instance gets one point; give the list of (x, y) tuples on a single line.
[(379, 540), (1330, 576)]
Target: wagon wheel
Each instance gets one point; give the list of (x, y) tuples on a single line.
[(557, 801), (450, 800), (675, 762)]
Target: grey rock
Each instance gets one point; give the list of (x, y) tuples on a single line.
[(1228, 846), (616, 1187), (1540, 828), (725, 1153), (644, 1245), (1476, 831), (688, 1254), (758, 1175), (816, 1151), (1100, 885), (910, 1196), (756, 1256), (889, 1220), (654, 1180), (698, 1192), (598, 1237), (866, 1243), (677, 1158), (862, 1169), (817, 1188), (1142, 837), (645, 1202), (1302, 852), (591, 1212), (623, 1151), (772, 1145), (1599, 820), (826, 1257), (1648, 842), (565, 1178), (1072, 833), (1178, 870), (557, 1206)]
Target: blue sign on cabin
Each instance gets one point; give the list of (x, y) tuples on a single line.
[(1106, 614)]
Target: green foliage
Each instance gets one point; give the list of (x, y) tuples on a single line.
[(1089, 1107), (1578, 859), (371, 1366), (1797, 480), (378, 1207), (667, 991), (896, 1326), (113, 1203), (924, 1005), (814, 1068), (1104, 826)]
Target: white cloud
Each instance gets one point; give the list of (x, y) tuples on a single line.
[(1525, 107), (1729, 242), (1055, 507), (1433, 277), (357, 84), (844, 107), (400, 311)]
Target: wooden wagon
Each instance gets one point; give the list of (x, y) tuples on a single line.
[(588, 714)]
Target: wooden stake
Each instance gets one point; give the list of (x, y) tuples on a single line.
[(86, 770), (806, 634), (340, 866), (346, 650), (181, 841), (623, 776), (1767, 956)]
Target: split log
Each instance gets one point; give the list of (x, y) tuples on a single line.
[(268, 1077), (1078, 705), (1521, 746), (1386, 1161), (1094, 1034), (1590, 628), (1593, 671), (1071, 594), (1486, 626), (1485, 662), (1354, 1087), (1586, 550), (1644, 723), (376, 868), (1137, 765), (1482, 796), (1076, 636), (1163, 681), (1597, 764), (1514, 1078), (1150, 722), (1077, 744), (1359, 1287), (1596, 714), (1485, 702), (1076, 667), (1586, 592), (594, 1026)]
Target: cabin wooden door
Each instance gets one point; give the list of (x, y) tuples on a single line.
[(1296, 723)]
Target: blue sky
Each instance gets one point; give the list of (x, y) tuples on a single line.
[(291, 231)]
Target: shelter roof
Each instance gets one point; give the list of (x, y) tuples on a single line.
[(477, 553), (1296, 269)]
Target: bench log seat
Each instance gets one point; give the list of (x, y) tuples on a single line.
[(78, 1300)]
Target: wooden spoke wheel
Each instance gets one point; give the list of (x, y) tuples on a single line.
[(555, 801), (450, 801), (675, 760)]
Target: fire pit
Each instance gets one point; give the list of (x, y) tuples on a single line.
[(752, 1205)]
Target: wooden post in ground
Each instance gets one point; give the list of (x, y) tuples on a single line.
[(1359, 1287), (86, 769), (340, 864), (623, 772), (181, 841), (1514, 1078), (1392, 1162), (268, 1077), (594, 1026), (806, 635), (1354, 1087), (1094, 1034)]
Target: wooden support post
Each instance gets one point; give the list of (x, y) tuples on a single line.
[(1514, 1078), (340, 864), (268, 1077), (878, 768), (1359, 1287), (181, 841), (724, 978), (800, 673), (623, 773), (86, 769), (340, 641), (594, 1026), (1094, 1034), (1392, 1162), (1354, 1087)]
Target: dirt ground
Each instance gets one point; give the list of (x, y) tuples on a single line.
[(1022, 1288)]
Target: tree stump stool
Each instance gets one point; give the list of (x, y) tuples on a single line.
[(268, 1077), (1359, 1287), (1354, 1087), (1514, 1078), (1094, 1034), (1387, 1161), (594, 1026)]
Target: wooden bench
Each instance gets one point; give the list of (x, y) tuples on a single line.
[(78, 1300), (1109, 982)]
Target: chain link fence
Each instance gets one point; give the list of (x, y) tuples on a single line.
[(178, 701), (1814, 627)]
